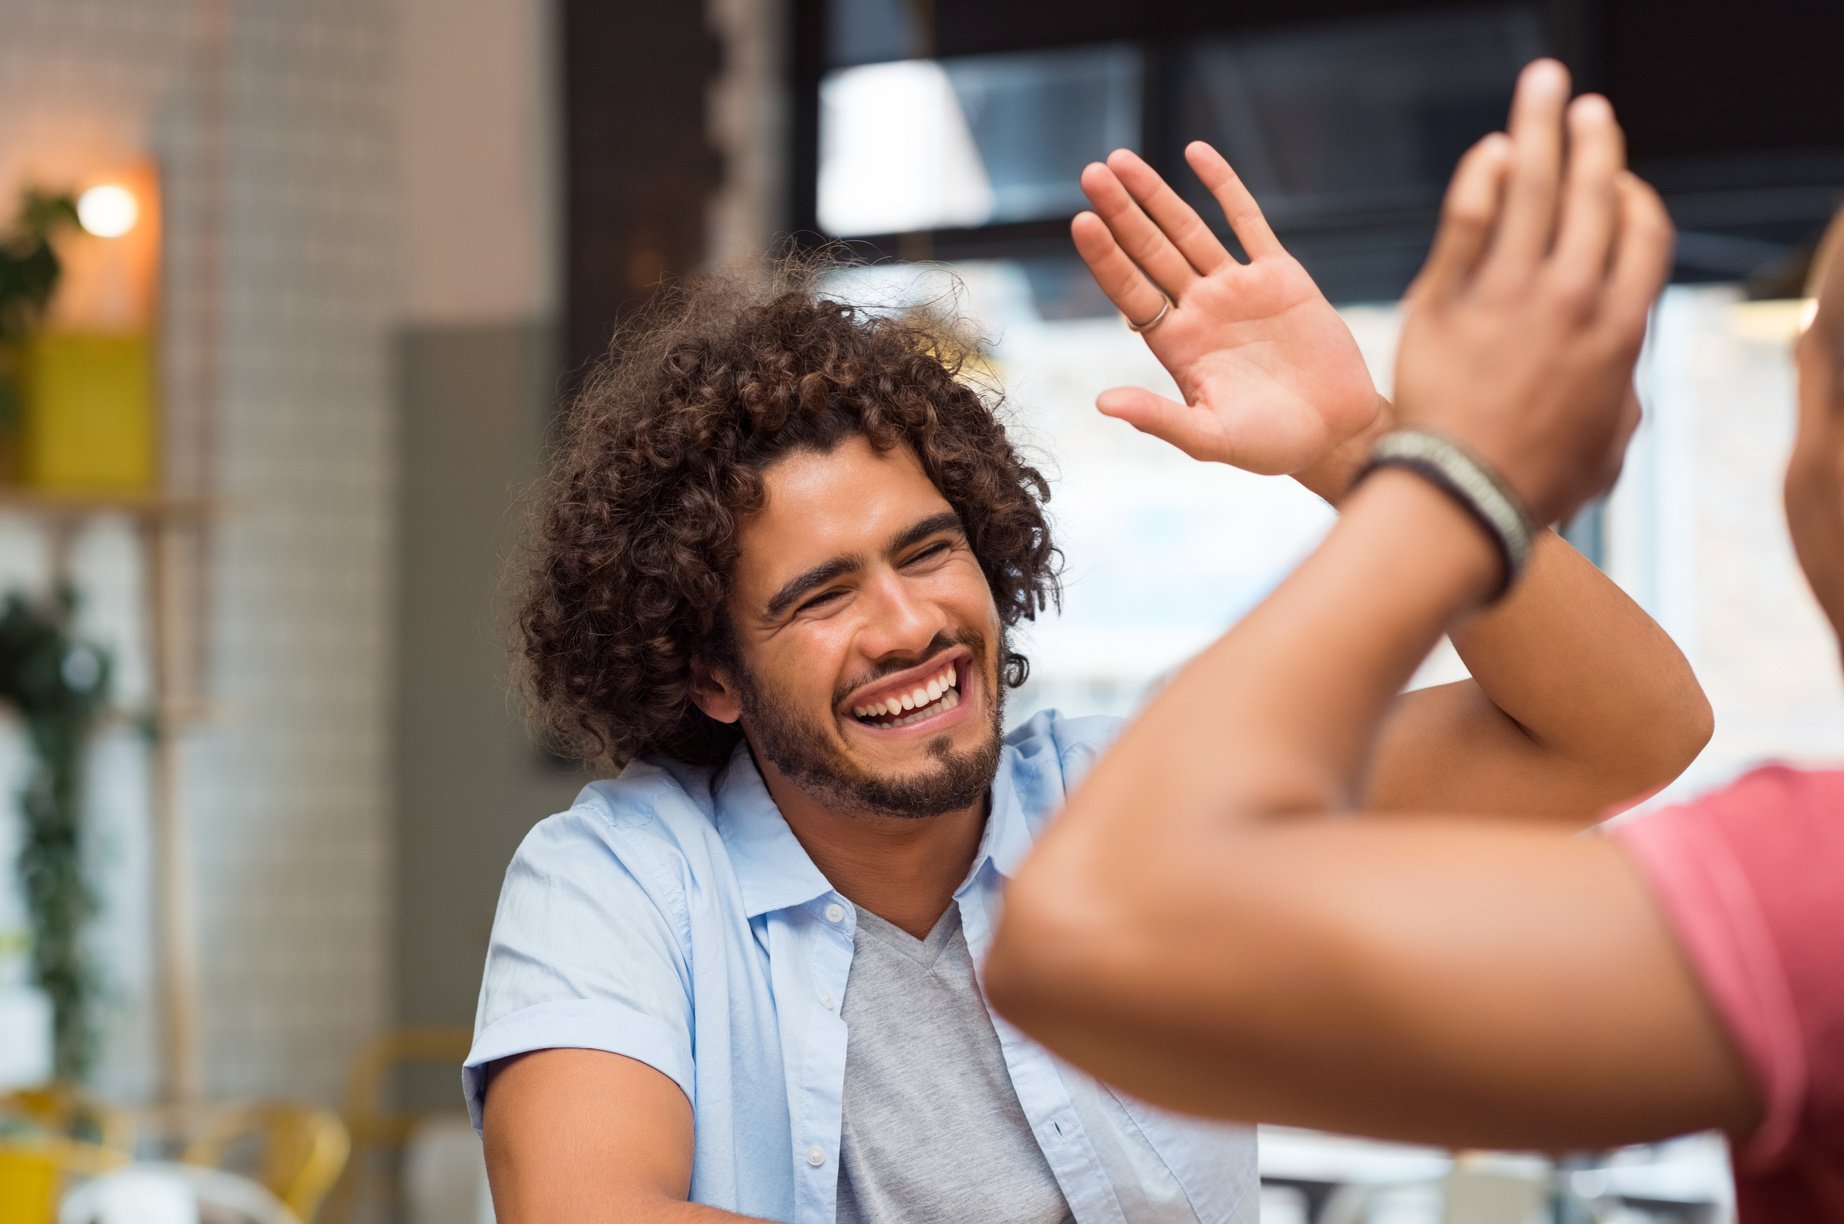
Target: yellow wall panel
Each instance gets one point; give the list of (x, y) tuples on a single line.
[(89, 421)]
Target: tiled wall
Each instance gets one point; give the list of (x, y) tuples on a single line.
[(288, 792)]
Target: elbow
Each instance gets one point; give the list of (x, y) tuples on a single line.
[(1698, 727), (1703, 727), (1684, 732), (1645, 766), (1685, 725)]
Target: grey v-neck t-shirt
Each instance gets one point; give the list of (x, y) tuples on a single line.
[(932, 1131)]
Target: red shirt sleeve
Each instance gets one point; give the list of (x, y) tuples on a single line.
[(1751, 881)]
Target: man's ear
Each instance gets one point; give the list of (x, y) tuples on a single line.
[(714, 692)]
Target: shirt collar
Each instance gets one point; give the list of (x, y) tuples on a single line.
[(772, 868), (1007, 838)]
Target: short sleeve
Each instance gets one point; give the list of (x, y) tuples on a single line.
[(1748, 880), (587, 952)]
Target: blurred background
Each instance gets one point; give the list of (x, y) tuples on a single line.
[(290, 295)]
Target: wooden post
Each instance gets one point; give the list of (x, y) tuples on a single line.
[(175, 936)]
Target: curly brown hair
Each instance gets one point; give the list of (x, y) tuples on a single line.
[(663, 454)]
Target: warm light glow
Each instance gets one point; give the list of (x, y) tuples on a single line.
[(1808, 311), (1771, 321), (108, 211)]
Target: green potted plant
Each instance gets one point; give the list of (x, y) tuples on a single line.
[(58, 685), (29, 271)]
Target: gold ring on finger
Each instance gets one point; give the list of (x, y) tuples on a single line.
[(1153, 322)]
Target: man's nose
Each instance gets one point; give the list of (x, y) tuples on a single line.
[(899, 620)]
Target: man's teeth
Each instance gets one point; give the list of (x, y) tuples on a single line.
[(942, 689), (947, 701)]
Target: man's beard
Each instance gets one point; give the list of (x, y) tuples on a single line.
[(808, 756)]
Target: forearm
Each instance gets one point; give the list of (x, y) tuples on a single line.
[(1578, 699), (1280, 714), (1592, 681)]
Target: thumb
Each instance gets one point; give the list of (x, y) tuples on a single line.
[(1183, 426)]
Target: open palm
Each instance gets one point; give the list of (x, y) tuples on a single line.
[(1271, 377)]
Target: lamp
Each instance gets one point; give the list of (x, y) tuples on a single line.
[(1777, 303), (90, 375), (1772, 321), (108, 210)]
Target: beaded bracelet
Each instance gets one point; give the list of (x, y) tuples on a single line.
[(1474, 486)]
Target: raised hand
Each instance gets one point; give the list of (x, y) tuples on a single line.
[(1271, 377), (1525, 323)]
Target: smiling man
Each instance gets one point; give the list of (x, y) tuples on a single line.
[(772, 587)]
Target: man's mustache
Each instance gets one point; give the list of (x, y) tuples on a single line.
[(972, 639)]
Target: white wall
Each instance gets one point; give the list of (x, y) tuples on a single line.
[(481, 150), (1698, 534)]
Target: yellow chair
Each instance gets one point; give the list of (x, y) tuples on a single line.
[(29, 1179), (378, 1130), (32, 1174), (300, 1150), (69, 1110)]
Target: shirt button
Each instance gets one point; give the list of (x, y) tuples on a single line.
[(816, 1157), (826, 1001), (835, 913)]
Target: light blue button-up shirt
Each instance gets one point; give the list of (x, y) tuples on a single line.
[(671, 916)]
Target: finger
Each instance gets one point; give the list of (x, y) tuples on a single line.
[(1177, 220), (1591, 195), (1474, 199), (1168, 420), (1119, 277), (1144, 242), (1239, 207), (1641, 258), (1536, 165)]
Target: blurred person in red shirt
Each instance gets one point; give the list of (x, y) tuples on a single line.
[(1210, 926)]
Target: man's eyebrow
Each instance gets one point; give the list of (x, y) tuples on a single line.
[(826, 571), (934, 524)]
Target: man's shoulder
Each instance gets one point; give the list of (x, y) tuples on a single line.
[(654, 811), (1059, 748), (1746, 879)]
